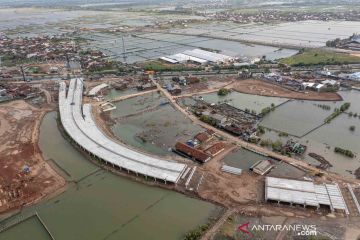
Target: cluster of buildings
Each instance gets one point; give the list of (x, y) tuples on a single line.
[(321, 86), (275, 15), (18, 91), (202, 147), (224, 116), (295, 147), (354, 76), (37, 48), (351, 43), (348, 79), (93, 60), (44, 48), (145, 83), (284, 81), (197, 56), (174, 87), (320, 83)]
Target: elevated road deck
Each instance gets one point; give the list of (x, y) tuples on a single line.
[(80, 126)]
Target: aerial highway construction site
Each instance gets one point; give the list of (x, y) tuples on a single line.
[(164, 121)]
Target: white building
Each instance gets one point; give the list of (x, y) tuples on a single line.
[(355, 76), (304, 193), (197, 56)]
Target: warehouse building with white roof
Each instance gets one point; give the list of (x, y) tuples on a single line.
[(198, 56), (304, 193)]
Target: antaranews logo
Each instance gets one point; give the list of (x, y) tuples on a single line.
[(244, 228), (298, 229)]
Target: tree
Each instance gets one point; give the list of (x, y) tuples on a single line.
[(223, 92), (260, 130), (265, 110), (277, 145)]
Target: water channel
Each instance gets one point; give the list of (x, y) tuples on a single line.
[(102, 205)]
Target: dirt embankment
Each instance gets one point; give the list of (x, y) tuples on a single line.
[(258, 87), (19, 133)]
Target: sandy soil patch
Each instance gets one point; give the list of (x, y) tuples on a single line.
[(262, 88), (19, 132)]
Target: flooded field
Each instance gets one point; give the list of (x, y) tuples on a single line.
[(154, 130), (298, 118), (105, 206), (137, 104), (304, 33), (145, 46), (29, 22), (113, 93), (244, 101), (140, 46), (32, 227)]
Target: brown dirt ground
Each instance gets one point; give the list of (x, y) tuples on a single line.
[(229, 189), (211, 85), (262, 88), (19, 131)]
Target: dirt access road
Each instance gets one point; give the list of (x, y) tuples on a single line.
[(19, 133), (262, 88)]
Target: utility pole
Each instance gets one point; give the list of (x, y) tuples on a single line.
[(67, 66), (67, 62), (124, 49), (23, 73)]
